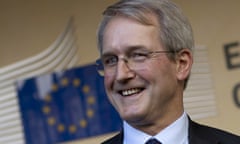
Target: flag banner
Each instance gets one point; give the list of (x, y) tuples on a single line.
[(65, 106)]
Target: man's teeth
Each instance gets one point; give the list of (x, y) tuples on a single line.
[(130, 91)]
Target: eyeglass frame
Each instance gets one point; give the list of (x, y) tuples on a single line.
[(148, 55)]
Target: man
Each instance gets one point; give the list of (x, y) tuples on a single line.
[(146, 58)]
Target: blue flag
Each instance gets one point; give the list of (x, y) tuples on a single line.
[(65, 106)]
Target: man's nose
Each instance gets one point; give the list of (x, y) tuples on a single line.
[(124, 71)]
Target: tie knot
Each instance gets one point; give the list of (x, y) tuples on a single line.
[(153, 141)]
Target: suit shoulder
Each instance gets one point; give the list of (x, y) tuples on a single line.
[(117, 139), (207, 132)]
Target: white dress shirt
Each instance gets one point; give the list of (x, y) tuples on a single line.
[(177, 132)]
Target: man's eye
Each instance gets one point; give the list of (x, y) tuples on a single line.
[(139, 56), (110, 61)]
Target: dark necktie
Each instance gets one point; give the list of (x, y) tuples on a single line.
[(153, 141)]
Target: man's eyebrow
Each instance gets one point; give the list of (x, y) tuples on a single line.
[(128, 50), (137, 47)]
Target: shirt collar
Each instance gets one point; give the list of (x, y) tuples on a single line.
[(176, 132)]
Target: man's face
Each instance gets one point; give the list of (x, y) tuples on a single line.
[(145, 94)]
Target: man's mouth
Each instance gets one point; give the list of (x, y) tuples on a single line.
[(130, 91)]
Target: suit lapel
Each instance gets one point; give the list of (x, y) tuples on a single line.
[(199, 134)]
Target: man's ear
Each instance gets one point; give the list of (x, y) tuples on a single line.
[(184, 61)]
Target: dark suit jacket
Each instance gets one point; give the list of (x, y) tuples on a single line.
[(198, 134)]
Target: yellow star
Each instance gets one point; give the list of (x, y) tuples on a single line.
[(48, 98), (90, 113), (54, 87), (86, 89), (76, 82), (72, 128), (91, 100), (64, 82), (83, 123), (51, 121), (46, 109), (61, 128)]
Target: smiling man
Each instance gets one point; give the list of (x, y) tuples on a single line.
[(146, 59)]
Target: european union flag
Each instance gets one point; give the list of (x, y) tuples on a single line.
[(65, 106)]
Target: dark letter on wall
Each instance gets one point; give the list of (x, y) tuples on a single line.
[(229, 56), (236, 94)]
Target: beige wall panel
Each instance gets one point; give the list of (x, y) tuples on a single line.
[(215, 23), (28, 27)]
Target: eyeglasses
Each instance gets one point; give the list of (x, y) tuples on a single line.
[(135, 61)]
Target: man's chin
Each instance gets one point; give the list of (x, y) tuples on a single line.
[(134, 119)]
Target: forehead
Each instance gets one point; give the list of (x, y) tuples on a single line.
[(122, 32)]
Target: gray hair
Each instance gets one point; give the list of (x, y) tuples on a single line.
[(175, 30)]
